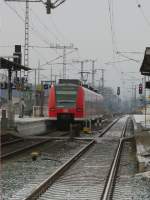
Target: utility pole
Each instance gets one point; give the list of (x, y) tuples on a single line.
[(82, 63), (135, 96), (102, 78), (93, 73), (64, 62), (49, 5), (51, 74), (82, 72), (145, 99), (38, 72), (26, 41), (64, 48)]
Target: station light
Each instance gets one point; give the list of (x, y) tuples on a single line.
[(140, 88)]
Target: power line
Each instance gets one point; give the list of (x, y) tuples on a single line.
[(36, 32), (44, 25), (22, 19), (58, 31), (51, 61), (137, 61), (119, 61), (130, 52), (41, 37), (82, 72), (113, 39), (39, 53), (142, 12), (14, 10), (64, 48), (111, 17)]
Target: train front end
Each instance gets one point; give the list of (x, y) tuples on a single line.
[(66, 103)]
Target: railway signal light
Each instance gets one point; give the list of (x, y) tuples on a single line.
[(140, 88), (118, 91), (18, 54)]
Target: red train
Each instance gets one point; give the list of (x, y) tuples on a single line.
[(70, 101)]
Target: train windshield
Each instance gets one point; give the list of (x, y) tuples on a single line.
[(66, 96)]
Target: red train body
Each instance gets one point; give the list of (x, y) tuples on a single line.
[(68, 101)]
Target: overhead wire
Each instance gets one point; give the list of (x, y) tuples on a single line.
[(22, 19), (44, 25), (15, 11), (57, 3), (39, 53), (36, 31), (130, 52), (32, 27), (46, 41), (51, 61), (59, 31), (113, 39), (119, 61), (137, 61), (143, 14)]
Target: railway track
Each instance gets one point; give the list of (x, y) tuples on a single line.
[(11, 142), (8, 139), (123, 184), (84, 176), (19, 145), (108, 188)]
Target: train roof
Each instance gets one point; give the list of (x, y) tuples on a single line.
[(77, 83), (70, 81)]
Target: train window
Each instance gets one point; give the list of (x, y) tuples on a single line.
[(66, 96)]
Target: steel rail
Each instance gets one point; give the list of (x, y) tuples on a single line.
[(114, 167), (52, 178), (20, 150), (11, 142), (108, 127), (13, 153)]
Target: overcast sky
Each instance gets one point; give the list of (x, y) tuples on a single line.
[(86, 24)]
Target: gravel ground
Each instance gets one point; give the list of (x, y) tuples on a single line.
[(21, 170), (129, 184), (140, 188), (86, 178), (115, 131)]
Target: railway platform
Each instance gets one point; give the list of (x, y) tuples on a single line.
[(27, 126), (142, 138)]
